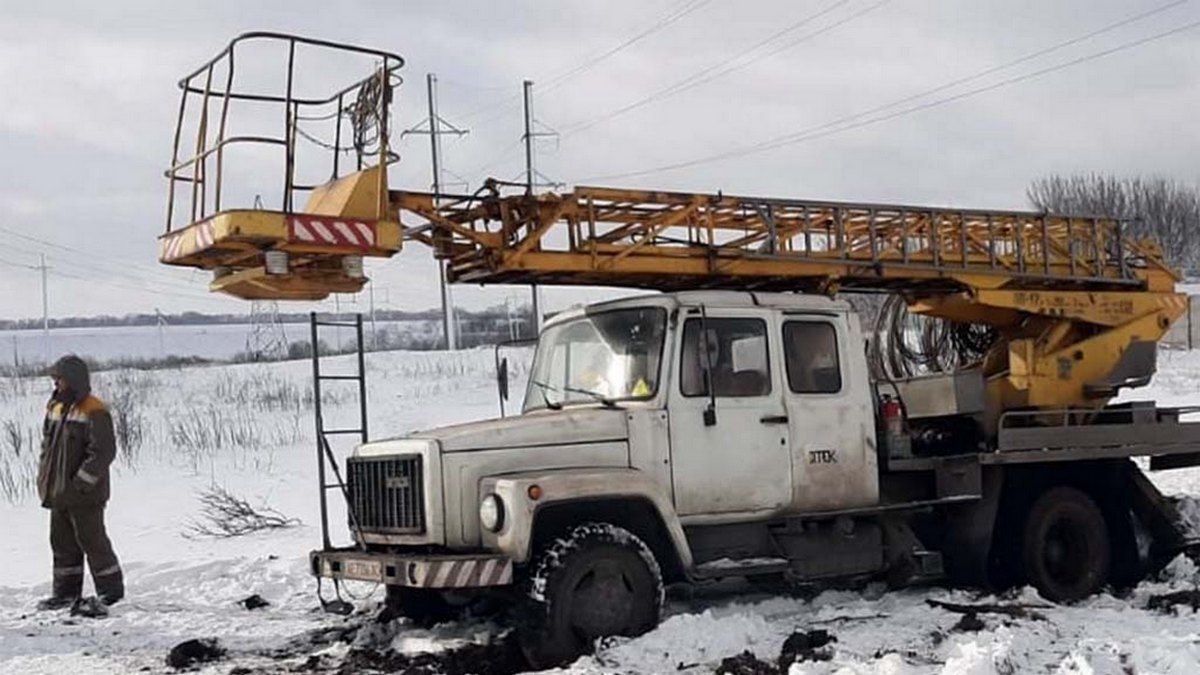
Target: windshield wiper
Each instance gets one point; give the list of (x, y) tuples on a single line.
[(543, 388), (606, 401)]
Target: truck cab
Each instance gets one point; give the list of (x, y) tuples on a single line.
[(729, 406)]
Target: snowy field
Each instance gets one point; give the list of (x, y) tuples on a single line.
[(215, 342), (182, 587)]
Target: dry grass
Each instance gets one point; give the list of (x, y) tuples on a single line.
[(19, 452)]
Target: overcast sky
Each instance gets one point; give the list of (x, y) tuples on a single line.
[(88, 100)]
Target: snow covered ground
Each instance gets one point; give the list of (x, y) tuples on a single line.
[(182, 588)]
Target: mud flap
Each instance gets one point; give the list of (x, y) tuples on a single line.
[(1159, 516), (968, 544)]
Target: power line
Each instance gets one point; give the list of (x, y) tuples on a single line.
[(4, 261), (123, 270), (727, 66), (88, 255), (126, 275), (678, 11), (686, 9), (472, 87), (44, 242), (185, 290), (824, 130), (116, 284), (499, 157)]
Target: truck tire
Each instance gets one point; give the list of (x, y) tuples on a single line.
[(1065, 549), (598, 580)]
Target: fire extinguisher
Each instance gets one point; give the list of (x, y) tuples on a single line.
[(893, 416), (897, 442)]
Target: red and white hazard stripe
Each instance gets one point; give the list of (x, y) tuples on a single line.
[(179, 244), (204, 235), (333, 232)]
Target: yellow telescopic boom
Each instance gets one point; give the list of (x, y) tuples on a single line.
[(1075, 300)]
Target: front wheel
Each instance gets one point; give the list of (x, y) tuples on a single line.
[(1066, 549), (598, 580)]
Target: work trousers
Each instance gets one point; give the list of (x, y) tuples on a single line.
[(75, 533)]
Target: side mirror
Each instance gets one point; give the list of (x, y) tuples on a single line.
[(710, 415), (502, 378)]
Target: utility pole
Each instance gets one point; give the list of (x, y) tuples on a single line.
[(531, 181), (530, 172), (160, 321), (45, 312), (436, 127)]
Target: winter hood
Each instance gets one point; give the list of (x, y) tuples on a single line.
[(74, 371)]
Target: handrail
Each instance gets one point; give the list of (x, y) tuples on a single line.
[(271, 140), (265, 98), (1075, 417), (256, 35)]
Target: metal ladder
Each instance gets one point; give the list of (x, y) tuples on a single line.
[(326, 461)]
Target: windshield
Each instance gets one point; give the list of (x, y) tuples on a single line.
[(608, 356)]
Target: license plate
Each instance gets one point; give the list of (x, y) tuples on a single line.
[(367, 570)]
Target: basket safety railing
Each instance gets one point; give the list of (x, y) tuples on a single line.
[(363, 106)]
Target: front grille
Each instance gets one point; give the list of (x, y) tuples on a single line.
[(387, 493)]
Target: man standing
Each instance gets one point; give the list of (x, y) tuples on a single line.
[(77, 447)]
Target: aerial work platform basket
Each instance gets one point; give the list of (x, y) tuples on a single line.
[(266, 248)]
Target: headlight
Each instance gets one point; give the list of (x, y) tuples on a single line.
[(491, 513)]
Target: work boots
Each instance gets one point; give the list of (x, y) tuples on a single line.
[(111, 597), (56, 602), (90, 608)]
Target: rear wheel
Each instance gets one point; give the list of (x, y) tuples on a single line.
[(1066, 550), (597, 581)]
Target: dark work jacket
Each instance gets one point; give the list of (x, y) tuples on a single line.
[(77, 447)]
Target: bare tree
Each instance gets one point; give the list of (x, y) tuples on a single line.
[(1161, 208), (223, 515)]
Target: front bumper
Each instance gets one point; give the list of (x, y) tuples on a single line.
[(419, 571)]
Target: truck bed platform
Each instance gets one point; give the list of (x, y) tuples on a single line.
[(1137, 429)]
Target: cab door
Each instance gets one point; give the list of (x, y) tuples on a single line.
[(740, 463), (830, 415)]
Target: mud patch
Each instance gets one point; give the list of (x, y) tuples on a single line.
[(194, 652), (502, 657), (1171, 603), (1014, 611), (253, 602), (813, 645), (969, 623), (746, 663), (801, 646)]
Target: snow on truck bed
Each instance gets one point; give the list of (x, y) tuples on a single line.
[(248, 429)]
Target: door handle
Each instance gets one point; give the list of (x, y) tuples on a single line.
[(773, 419)]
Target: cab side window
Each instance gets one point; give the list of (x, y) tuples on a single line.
[(811, 356), (730, 352)]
